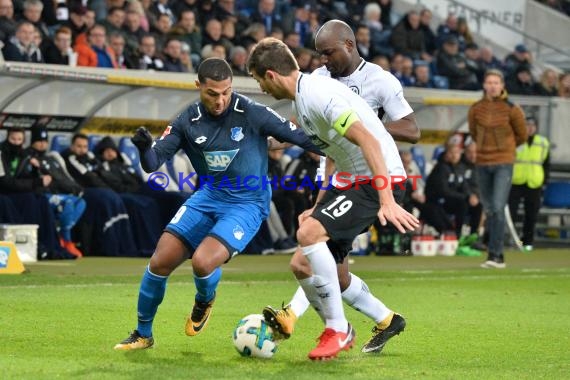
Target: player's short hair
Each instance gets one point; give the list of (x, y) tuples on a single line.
[(216, 69), (271, 54)]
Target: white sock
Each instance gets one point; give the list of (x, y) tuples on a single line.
[(299, 303), (359, 298), (309, 292), (326, 285)]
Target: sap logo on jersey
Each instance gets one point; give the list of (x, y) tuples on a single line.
[(219, 161)]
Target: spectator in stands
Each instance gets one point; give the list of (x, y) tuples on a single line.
[(229, 31), (292, 40), (422, 76), (253, 33), (382, 61), (33, 13), (137, 7), (396, 65), (267, 15), (548, 85), (447, 187), (498, 127), (238, 61), (449, 28), (187, 30), (488, 61), (59, 51), (530, 173), (89, 18), (172, 52), (430, 40), (161, 29), (472, 60), (301, 24), (147, 54), (521, 83), (303, 57), (364, 43), (96, 53), (564, 85), (106, 221), (407, 78), (115, 20), (7, 22), (76, 23), (63, 193), (371, 18), (185, 57), (24, 195), (159, 7), (453, 65), (407, 37), (212, 32), (463, 33), (415, 189), (124, 60), (178, 7), (21, 47), (521, 56), (132, 30)]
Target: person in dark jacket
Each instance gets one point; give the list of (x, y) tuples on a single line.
[(407, 37), (454, 66), (108, 227), (447, 187), (21, 47), (59, 51), (63, 193)]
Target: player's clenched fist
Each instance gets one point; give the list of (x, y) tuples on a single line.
[(142, 139)]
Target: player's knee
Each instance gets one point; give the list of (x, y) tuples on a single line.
[(309, 232), (202, 266), (300, 268), (160, 267)]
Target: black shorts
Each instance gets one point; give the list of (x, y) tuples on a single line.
[(346, 214)]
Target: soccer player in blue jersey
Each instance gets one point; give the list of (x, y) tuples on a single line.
[(225, 137)]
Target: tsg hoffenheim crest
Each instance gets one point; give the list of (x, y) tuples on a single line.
[(238, 232), (237, 134)]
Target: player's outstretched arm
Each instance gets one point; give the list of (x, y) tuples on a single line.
[(390, 211)]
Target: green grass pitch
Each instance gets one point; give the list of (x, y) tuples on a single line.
[(61, 320)]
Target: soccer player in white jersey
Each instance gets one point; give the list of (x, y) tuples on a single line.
[(335, 42), (349, 132)]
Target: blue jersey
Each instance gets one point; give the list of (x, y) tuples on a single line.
[(227, 151)]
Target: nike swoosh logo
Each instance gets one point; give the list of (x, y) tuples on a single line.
[(345, 120), (199, 327), (327, 214), (344, 342)]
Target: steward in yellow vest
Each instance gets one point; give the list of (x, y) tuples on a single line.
[(530, 172)]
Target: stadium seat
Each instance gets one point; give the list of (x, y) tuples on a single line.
[(437, 152), (59, 143), (557, 195), (441, 82), (92, 141), (127, 147), (420, 158)]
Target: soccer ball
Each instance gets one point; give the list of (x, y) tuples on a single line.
[(254, 337)]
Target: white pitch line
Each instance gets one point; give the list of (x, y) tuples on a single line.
[(368, 280)]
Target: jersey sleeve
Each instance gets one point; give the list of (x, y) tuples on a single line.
[(392, 95), (166, 146), (275, 125)]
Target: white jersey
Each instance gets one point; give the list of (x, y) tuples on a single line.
[(378, 87), (319, 104)]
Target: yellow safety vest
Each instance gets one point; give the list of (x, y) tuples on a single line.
[(528, 169)]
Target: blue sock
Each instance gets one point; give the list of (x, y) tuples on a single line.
[(151, 294), (206, 286)]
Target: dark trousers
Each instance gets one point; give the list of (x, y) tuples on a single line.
[(531, 202)]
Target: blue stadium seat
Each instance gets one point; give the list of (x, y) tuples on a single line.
[(420, 158), (437, 152), (92, 141), (441, 82), (59, 143), (557, 195), (127, 147)]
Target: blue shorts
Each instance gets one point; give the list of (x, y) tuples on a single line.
[(233, 224)]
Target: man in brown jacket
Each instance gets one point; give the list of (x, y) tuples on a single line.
[(498, 127)]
